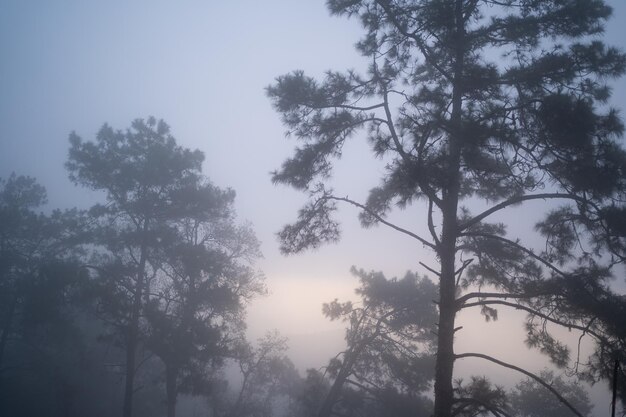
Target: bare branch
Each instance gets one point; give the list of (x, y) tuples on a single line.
[(430, 269), (519, 199), (462, 268), (470, 295), (383, 221), (348, 107), (431, 224)]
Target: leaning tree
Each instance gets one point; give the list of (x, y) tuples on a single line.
[(484, 104), (388, 358)]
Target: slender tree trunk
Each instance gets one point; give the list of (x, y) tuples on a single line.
[(244, 384), (444, 366), (133, 331), (131, 351), (6, 328), (614, 398), (171, 388)]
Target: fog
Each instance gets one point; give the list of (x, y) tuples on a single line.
[(203, 67)]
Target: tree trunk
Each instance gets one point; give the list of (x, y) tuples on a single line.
[(335, 390), (131, 350), (6, 328), (445, 348), (133, 330), (171, 388), (444, 366)]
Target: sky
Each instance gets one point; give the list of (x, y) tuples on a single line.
[(202, 66)]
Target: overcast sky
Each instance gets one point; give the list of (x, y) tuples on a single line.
[(202, 66)]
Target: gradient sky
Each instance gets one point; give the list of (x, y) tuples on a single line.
[(202, 66)]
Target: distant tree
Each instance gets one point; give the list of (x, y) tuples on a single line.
[(153, 187), (36, 260), (389, 339), (481, 103), (197, 301), (309, 394), (267, 375), (531, 399), (20, 233), (41, 342), (51, 356)]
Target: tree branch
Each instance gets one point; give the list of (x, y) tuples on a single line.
[(462, 268), (539, 314), (516, 200), (467, 296), (418, 42), (383, 221), (430, 269), (518, 246), (347, 107), (431, 225), (523, 371), (432, 196)]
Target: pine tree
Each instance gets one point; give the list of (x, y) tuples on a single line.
[(499, 102), (173, 269)]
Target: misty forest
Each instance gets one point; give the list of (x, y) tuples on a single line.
[(491, 163)]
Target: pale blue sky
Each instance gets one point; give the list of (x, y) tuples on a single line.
[(202, 66)]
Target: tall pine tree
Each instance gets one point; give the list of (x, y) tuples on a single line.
[(502, 102)]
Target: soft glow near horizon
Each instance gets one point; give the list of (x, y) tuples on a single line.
[(294, 305), (294, 308)]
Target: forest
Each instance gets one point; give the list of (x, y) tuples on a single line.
[(491, 125)]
